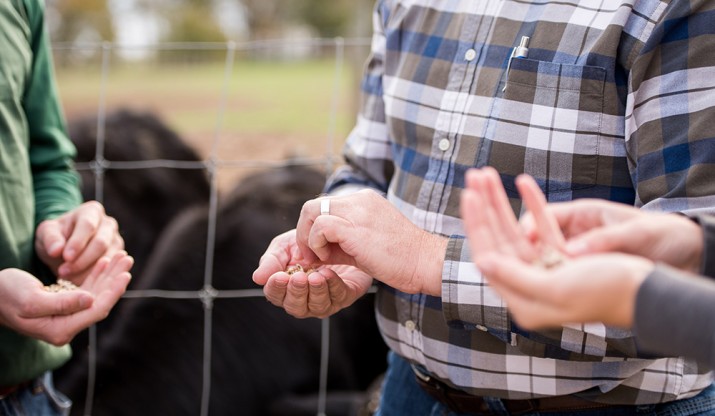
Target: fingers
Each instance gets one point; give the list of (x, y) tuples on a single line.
[(547, 226), (50, 238), (94, 235), (489, 218), (327, 236), (308, 214), (105, 240), (72, 243), (315, 295), (281, 252), (627, 237), (83, 224), (60, 303)]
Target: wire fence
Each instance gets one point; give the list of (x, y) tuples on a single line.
[(213, 163)]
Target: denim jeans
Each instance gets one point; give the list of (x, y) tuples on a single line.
[(37, 399), (402, 396)]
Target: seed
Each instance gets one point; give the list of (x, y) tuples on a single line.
[(61, 286), (298, 268)]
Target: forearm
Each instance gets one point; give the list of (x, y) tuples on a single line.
[(56, 184), (682, 326)]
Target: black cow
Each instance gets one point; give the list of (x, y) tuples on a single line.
[(263, 362), (143, 201)]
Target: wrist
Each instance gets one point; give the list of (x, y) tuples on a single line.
[(430, 262), (635, 271)]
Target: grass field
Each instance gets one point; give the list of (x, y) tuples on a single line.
[(273, 109)]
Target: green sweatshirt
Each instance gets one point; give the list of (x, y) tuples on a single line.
[(37, 177)]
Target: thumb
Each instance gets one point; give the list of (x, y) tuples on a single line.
[(50, 238), (62, 303)]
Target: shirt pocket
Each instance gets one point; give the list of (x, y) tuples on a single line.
[(548, 124)]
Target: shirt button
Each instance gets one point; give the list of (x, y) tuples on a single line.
[(444, 145), (482, 328), (410, 325), (470, 55)]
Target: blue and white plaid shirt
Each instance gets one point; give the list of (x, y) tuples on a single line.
[(614, 99)]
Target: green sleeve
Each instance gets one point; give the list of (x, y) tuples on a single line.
[(56, 183)]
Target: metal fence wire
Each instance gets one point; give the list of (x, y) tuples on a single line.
[(212, 164)]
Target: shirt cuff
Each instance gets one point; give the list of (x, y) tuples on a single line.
[(467, 299)]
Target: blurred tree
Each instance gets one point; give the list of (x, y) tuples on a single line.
[(76, 20), (328, 17), (184, 20), (193, 22)]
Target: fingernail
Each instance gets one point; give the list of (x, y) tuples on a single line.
[(64, 270), (55, 247), (85, 301)]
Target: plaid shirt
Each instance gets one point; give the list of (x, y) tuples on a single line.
[(613, 100)]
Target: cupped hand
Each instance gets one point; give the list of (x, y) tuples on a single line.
[(72, 243), (323, 291), (317, 294), (56, 317)]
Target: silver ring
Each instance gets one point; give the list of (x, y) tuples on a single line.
[(325, 206)]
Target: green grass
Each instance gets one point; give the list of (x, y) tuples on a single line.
[(263, 98)]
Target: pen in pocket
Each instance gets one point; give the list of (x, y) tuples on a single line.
[(521, 51)]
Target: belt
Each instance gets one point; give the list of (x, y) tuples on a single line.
[(8, 390), (461, 402)]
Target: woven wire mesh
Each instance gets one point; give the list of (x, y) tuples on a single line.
[(214, 162)]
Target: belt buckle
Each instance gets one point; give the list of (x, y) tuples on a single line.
[(420, 374)]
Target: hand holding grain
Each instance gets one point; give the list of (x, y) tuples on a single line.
[(57, 312)]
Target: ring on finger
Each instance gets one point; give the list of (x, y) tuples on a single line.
[(325, 206)]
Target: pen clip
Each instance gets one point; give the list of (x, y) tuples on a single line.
[(521, 51)]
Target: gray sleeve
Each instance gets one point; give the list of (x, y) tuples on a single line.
[(674, 315), (707, 222)]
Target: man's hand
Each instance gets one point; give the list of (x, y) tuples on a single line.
[(366, 231), (318, 294)]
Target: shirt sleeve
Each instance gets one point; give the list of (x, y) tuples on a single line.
[(669, 112), (671, 316), (56, 183), (367, 151)]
